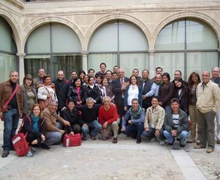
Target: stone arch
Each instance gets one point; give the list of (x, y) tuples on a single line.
[(14, 26), (39, 22), (108, 18), (200, 16)]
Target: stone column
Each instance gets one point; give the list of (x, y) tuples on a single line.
[(84, 61), (21, 67), (151, 63)]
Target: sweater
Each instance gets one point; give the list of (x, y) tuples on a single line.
[(109, 115)]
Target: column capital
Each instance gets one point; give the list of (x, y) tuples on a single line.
[(84, 53), (151, 51), (21, 54)]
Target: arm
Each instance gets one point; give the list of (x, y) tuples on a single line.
[(216, 93), (166, 124), (160, 119), (48, 122), (169, 95), (126, 97), (69, 94), (146, 123), (152, 90), (140, 95), (115, 115), (183, 122)]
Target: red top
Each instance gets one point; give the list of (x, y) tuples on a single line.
[(110, 115)]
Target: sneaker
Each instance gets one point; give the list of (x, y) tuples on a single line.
[(115, 140), (162, 143), (182, 145), (138, 141), (44, 146), (153, 140), (29, 154), (209, 150), (199, 147), (93, 137), (5, 153), (33, 150)]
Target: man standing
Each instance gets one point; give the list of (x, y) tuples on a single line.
[(10, 90), (216, 79), (208, 102), (133, 122), (53, 124), (109, 119), (61, 86), (178, 76), (38, 82), (102, 71)]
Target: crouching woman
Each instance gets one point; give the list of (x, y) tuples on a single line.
[(34, 126)]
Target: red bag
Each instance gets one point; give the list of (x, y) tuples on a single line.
[(72, 140), (20, 144)]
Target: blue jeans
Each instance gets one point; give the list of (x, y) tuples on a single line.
[(11, 119), (135, 130), (183, 136), (151, 134), (94, 128), (52, 137)]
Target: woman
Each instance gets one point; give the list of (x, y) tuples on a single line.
[(98, 81), (181, 92), (34, 126), (86, 80), (29, 93), (106, 89), (132, 91), (92, 91), (47, 92), (76, 93), (166, 92), (71, 114), (193, 81), (81, 75)]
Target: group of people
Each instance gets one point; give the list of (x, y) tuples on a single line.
[(104, 104)]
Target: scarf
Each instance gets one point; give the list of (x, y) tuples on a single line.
[(35, 122), (78, 93), (135, 114)]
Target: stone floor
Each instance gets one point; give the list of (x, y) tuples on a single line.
[(105, 160)]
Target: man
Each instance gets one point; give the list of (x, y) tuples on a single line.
[(91, 72), (154, 120), (109, 119), (114, 76), (147, 92), (208, 102), (61, 86), (118, 88), (73, 76), (38, 82), (116, 68), (216, 79), (109, 76), (133, 122), (89, 120), (53, 124), (135, 73), (102, 71), (178, 76), (175, 124), (13, 112), (156, 85), (159, 70)]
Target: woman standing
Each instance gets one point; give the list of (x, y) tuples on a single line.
[(193, 81), (106, 89), (47, 92), (29, 93), (76, 93), (132, 91), (34, 126)]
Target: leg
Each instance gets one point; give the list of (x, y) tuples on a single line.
[(183, 136), (202, 129), (95, 127), (139, 127), (210, 121), (76, 128), (168, 136), (85, 131), (52, 137), (149, 134), (193, 118), (114, 127), (218, 124), (131, 130)]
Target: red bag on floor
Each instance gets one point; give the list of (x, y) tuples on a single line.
[(20, 144), (72, 140)]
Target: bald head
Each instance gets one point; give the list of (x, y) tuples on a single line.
[(206, 77)]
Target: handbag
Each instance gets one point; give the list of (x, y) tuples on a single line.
[(20, 144), (72, 140)]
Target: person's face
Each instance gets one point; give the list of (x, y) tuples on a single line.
[(106, 102), (145, 74), (159, 71), (60, 75), (98, 80), (115, 69), (105, 82), (73, 75), (121, 74), (91, 81), (36, 111), (48, 80), (14, 77), (53, 107), (91, 73), (78, 83), (86, 78), (178, 84), (102, 68), (215, 72), (41, 73), (154, 102), (195, 78), (177, 75), (28, 81), (135, 73), (205, 77), (71, 105), (135, 105), (90, 104), (175, 106), (133, 80), (109, 75), (114, 76), (158, 78), (81, 75), (165, 79)]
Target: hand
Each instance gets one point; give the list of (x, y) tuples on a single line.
[(144, 97), (49, 96), (147, 129), (125, 108), (129, 122), (72, 132), (85, 125), (62, 131), (174, 132), (105, 125), (66, 123), (157, 132), (123, 129), (42, 137)]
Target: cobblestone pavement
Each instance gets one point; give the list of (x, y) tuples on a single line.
[(105, 160)]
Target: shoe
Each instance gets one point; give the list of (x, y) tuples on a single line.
[(29, 154), (209, 150), (84, 138), (138, 141), (5, 153), (190, 141), (33, 150), (199, 147), (115, 140), (93, 137), (44, 146), (153, 140), (56, 143), (218, 141), (182, 145), (162, 143)]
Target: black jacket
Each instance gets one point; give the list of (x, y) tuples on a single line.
[(94, 92), (72, 95)]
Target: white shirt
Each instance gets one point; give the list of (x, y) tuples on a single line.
[(132, 93)]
